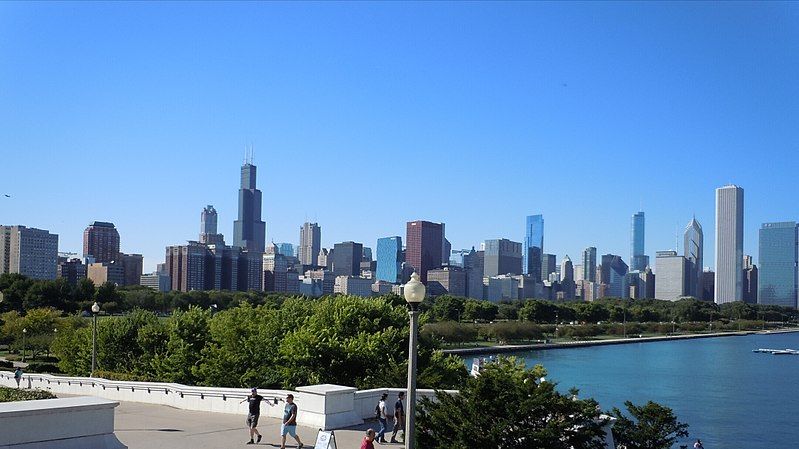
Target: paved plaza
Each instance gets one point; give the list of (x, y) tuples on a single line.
[(147, 426)]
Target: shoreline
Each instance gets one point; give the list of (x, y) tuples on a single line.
[(487, 350)]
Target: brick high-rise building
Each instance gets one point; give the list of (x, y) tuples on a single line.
[(424, 246), (101, 242)]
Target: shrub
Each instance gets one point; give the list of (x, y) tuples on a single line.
[(16, 394), (42, 367), (6, 364), (125, 377)]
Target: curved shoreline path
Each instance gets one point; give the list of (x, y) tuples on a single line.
[(487, 350)]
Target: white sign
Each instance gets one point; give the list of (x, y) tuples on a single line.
[(325, 440)]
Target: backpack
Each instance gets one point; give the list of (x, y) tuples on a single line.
[(377, 410)]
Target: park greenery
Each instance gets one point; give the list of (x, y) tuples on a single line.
[(19, 394), (237, 339), (270, 340)]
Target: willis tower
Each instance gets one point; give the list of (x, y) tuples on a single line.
[(249, 231)]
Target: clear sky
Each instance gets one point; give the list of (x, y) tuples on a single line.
[(367, 115)]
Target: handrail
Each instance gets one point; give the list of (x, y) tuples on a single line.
[(167, 388)]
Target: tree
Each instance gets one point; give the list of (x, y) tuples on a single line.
[(653, 426), (508, 407), (447, 307)]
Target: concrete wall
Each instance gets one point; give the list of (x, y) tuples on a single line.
[(320, 406), (72, 423)]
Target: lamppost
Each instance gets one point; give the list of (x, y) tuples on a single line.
[(414, 294), (24, 333), (711, 321), (95, 311), (673, 326), (624, 323)]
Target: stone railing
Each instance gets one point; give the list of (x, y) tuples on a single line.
[(320, 406), (70, 423)]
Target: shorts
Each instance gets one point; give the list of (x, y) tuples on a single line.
[(288, 430), (252, 420)]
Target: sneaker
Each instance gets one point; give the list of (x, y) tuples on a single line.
[(259, 439), (251, 442), (393, 441)]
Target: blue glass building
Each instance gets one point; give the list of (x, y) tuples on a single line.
[(777, 277), (533, 245), (638, 259), (389, 259)]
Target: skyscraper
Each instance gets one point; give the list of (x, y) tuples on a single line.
[(503, 256), (533, 245), (249, 231), (693, 248), (424, 248), (673, 273), (778, 279), (101, 242), (548, 265), (589, 264), (729, 244), (389, 259), (208, 228), (473, 264), (614, 275), (310, 243), (638, 258), (28, 251), (567, 278), (347, 259)]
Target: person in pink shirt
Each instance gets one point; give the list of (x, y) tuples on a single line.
[(367, 442)]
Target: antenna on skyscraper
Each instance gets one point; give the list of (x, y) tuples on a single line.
[(677, 238)]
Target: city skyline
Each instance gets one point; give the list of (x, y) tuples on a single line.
[(170, 113)]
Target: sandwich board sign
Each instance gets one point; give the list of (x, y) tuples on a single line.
[(325, 440)]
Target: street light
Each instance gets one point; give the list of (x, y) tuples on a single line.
[(95, 311), (24, 333), (414, 294)]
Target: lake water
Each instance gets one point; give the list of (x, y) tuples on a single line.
[(730, 396)]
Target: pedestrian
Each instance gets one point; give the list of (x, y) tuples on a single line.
[(289, 426), (18, 376), (367, 440), (399, 418), (381, 416), (698, 444), (254, 401)]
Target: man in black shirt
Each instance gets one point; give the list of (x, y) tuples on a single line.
[(399, 418), (254, 401)]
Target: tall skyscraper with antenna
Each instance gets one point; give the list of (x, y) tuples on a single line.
[(249, 231), (638, 258)]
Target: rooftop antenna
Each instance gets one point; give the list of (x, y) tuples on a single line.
[(677, 238)]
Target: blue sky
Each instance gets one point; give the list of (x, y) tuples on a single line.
[(367, 115)]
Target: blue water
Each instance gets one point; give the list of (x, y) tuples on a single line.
[(730, 396)]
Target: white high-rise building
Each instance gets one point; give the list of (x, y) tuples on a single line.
[(310, 243), (729, 244)]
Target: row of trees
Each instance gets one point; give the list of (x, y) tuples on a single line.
[(345, 340), (21, 294), (454, 308)]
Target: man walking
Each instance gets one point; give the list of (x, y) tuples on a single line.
[(254, 401), (18, 375), (289, 426), (381, 416), (399, 418)]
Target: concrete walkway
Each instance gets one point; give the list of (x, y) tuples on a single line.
[(146, 426)]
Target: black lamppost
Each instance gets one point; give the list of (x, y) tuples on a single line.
[(414, 292), (95, 311)]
